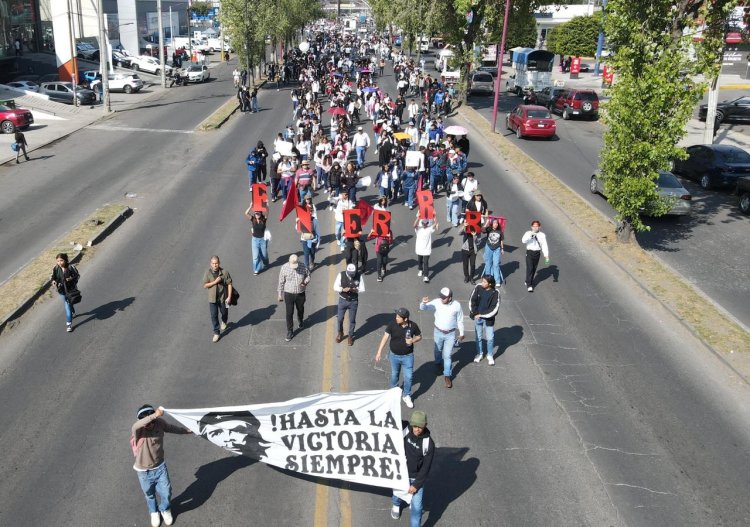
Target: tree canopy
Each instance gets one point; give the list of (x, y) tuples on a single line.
[(577, 37)]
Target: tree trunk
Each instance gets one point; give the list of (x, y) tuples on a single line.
[(624, 230)]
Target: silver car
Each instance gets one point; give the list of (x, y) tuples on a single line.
[(482, 82), (668, 186)]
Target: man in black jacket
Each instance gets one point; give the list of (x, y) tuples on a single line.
[(419, 449), (484, 303)]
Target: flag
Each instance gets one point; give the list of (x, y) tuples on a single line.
[(365, 210), (356, 437), (291, 201)]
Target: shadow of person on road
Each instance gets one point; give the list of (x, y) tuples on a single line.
[(375, 323), (255, 316), (509, 268), (546, 272), (450, 476), (425, 375), (463, 355), (105, 311), (207, 478), (505, 338)]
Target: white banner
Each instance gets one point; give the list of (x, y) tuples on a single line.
[(353, 437)]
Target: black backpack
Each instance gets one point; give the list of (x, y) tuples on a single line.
[(385, 246)]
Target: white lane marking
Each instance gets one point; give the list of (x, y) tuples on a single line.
[(132, 129)]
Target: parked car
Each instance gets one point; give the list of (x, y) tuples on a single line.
[(87, 51), (743, 193), (548, 96), (668, 186), (713, 165), (88, 76), (63, 92), (530, 120), (584, 103), (149, 65), (197, 73), (481, 82), (736, 110), (121, 59), (12, 118), (24, 85), (127, 82)]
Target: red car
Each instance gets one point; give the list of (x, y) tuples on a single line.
[(12, 118), (530, 120)]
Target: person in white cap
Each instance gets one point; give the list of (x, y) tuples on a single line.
[(449, 317), (348, 284), (360, 142)]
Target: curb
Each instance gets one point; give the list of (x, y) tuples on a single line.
[(110, 227), (31, 300), (225, 119), (463, 110)]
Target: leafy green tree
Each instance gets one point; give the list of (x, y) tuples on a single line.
[(577, 37), (655, 60), (200, 8)]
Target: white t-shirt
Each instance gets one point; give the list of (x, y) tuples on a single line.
[(424, 240)]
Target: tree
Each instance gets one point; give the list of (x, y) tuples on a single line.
[(200, 8), (577, 37), (655, 61)]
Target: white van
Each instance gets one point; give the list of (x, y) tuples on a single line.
[(424, 43)]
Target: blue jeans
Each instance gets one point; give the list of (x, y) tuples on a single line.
[(284, 187), (260, 254), (399, 362), (215, 308), (68, 309), (452, 212), (416, 505), (492, 264), (309, 250), (254, 103), (361, 155), (155, 482), (481, 326), (411, 192), (340, 233), (252, 176), (443, 349), (304, 191)]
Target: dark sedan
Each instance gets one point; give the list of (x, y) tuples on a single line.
[(714, 165), (737, 110), (546, 97), (63, 92)]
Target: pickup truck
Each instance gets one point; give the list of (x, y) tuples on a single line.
[(743, 193)]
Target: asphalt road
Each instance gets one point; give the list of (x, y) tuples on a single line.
[(601, 410), (708, 248)]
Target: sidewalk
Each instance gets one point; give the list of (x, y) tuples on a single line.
[(54, 121)]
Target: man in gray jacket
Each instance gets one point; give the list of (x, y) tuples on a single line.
[(147, 443)]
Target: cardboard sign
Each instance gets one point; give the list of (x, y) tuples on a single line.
[(352, 223), (473, 221), (260, 198), (425, 203), (381, 222), (413, 158), (305, 220)]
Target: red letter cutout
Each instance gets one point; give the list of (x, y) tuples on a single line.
[(381, 223), (260, 198), (473, 221), (305, 220), (425, 203), (352, 223)]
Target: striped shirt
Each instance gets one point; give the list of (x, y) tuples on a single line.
[(293, 280)]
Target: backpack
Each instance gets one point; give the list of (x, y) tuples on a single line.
[(384, 247)]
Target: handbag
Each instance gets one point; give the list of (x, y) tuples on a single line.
[(14, 147), (234, 297), (267, 235), (307, 236), (72, 296)]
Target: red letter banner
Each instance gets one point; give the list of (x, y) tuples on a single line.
[(424, 201), (381, 223), (365, 209), (260, 198), (304, 220), (352, 223), (473, 221)]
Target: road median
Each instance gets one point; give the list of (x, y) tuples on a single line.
[(217, 119), (31, 285), (710, 323)]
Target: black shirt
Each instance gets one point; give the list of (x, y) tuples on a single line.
[(258, 228), (398, 337)]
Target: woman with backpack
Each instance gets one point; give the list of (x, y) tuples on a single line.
[(65, 279)]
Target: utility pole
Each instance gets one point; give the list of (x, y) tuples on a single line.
[(161, 45), (190, 37), (73, 63), (104, 57), (600, 42), (500, 65)]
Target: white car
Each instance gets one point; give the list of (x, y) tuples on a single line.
[(24, 85), (149, 65), (127, 82), (197, 73)]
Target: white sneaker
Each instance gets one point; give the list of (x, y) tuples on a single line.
[(407, 401), (490, 360), (222, 326), (216, 338), (419, 273), (478, 358), (155, 519), (426, 279), (167, 515), (395, 512), (529, 289)]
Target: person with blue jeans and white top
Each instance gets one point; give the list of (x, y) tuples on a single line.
[(483, 307), (449, 317)]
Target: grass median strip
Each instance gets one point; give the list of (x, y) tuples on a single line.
[(33, 278), (697, 312)]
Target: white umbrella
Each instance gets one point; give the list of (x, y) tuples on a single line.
[(456, 130)]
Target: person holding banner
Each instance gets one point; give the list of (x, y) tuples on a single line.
[(259, 242), (536, 244), (449, 317), (342, 205), (420, 451), (403, 334), (483, 307), (348, 284), (356, 253), (469, 255), (493, 250), (147, 443), (453, 199), (309, 237), (293, 281), (423, 230)]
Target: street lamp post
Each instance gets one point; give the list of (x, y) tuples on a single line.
[(104, 57), (500, 65), (73, 63), (161, 45)]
